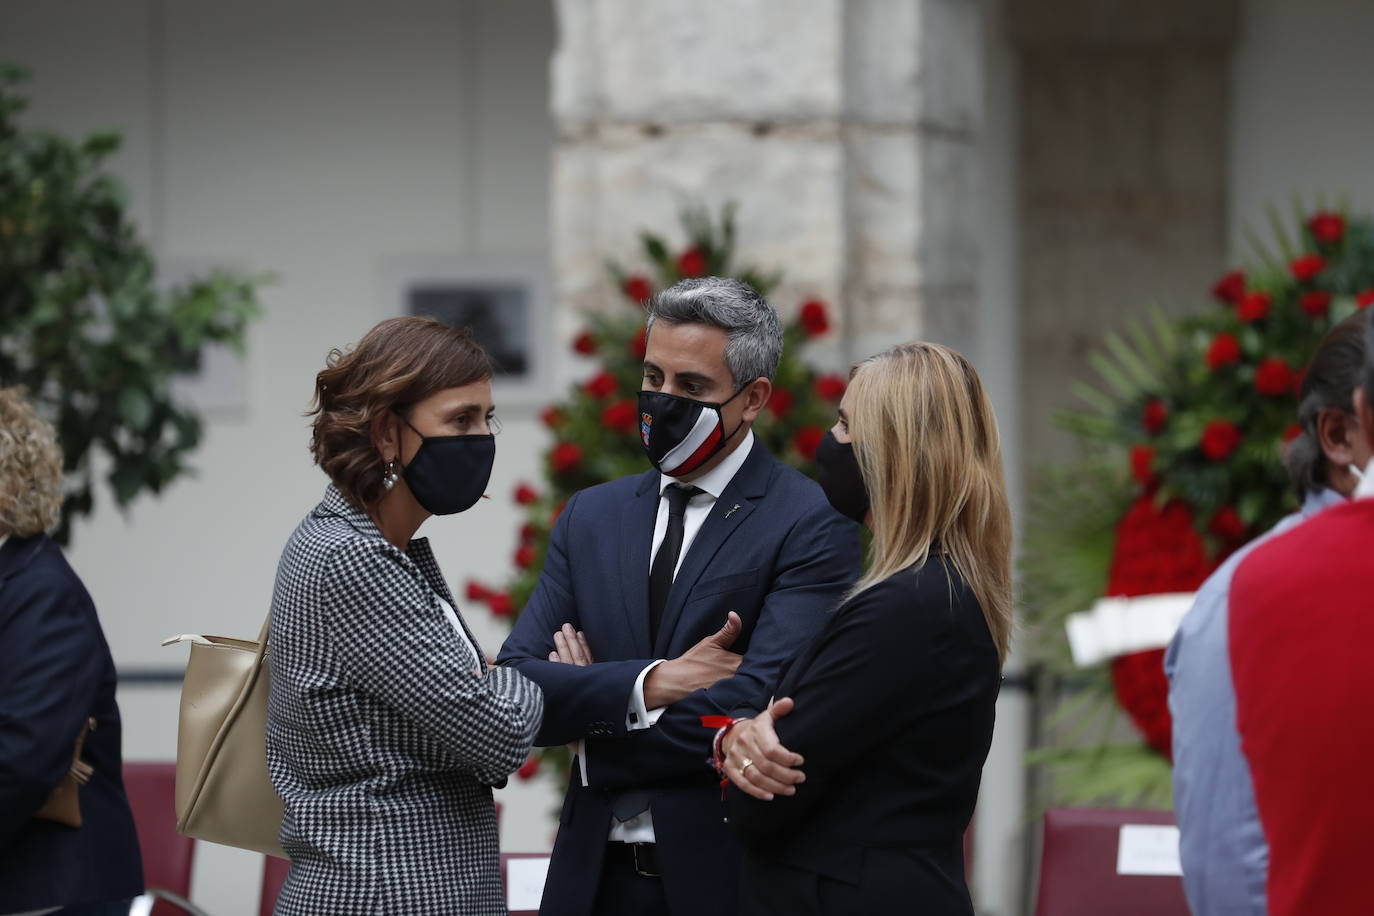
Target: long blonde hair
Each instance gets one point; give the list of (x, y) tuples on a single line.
[(926, 441)]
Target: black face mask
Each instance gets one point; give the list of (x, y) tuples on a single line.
[(680, 435), (448, 474), (837, 471)]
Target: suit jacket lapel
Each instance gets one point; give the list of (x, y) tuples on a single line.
[(637, 522), (736, 503)]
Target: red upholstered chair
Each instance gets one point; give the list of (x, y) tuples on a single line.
[(1078, 867), (273, 877), (167, 855)]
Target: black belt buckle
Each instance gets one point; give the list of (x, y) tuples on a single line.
[(645, 859)]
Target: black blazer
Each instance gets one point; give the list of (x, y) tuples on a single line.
[(894, 714), (773, 550), (55, 672)]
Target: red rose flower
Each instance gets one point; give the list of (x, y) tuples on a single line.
[(501, 605), (1273, 377), (807, 440), (692, 262), (528, 532), (584, 343), (1315, 302), (1292, 432), (524, 556), (476, 591), (1365, 299), (620, 416), (781, 403), (1307, 267), (1253, 307), (526, 494), (815, 318), (1226, 524), (1143, 464), (831, 387), (1224, 351), (1327, 227), (637, 288), (1154, 416), (1219, 439), (566, 456), (552, 416), (528, 768), (602, 385), (1230, 287), (639, 344)]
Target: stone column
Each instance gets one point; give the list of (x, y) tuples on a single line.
[(1124, 114), (842, 128)]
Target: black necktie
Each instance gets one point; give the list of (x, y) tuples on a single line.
[(665, 561)]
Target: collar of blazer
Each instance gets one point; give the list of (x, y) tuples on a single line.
[(335, 504), (17, 553)]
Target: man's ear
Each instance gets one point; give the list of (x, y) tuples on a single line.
[(1365, 411), (1336, 432), (756, 398)]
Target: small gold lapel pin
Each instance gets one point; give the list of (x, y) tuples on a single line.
[(732, 510)]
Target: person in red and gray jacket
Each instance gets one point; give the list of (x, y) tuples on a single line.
[(1301, 631)]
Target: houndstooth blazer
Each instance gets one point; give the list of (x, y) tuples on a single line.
[(385, 735)]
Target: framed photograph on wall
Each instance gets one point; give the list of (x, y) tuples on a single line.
[(503, 302)]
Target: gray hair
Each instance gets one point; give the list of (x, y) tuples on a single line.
[(755, 345)]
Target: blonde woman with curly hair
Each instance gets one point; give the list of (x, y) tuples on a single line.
[(853, 790), (386, 728), (57, 682)]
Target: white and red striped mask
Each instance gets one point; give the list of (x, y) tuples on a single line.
[(680, 434)]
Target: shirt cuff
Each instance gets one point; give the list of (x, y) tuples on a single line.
[(637, 717)]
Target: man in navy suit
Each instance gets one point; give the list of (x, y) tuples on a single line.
[(650, 568)]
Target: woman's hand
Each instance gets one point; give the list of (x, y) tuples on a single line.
[(570, 647), (756, 762)]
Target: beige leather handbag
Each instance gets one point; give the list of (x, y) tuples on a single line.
[(223, 792)]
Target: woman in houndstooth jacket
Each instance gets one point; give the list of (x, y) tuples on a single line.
[(386, 728)]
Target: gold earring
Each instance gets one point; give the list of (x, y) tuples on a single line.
[(390, 475)]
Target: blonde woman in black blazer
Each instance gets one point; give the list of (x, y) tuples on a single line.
[(853, 790), (386, 728)]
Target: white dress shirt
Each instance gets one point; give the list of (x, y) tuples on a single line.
[(640, 829), (452, 616)]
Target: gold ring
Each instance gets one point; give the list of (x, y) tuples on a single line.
[(745, 764)]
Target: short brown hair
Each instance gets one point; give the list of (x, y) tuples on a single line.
[(30, 467), (396, 365)]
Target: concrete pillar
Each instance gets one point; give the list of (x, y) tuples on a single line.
[(843, 128), (1124, 113)]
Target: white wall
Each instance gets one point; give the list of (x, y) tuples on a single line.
[(1302, 119), (327, 142)]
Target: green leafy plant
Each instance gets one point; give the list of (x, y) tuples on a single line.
[(1186, 421), (84, 325)]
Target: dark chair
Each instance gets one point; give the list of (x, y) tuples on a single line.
[(1078, 867), (167, 855)]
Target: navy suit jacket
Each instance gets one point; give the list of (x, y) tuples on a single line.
[(55, 672), (772, 550)]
